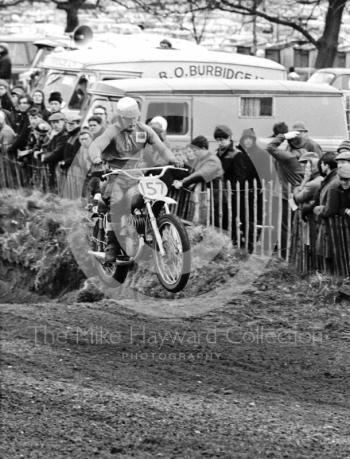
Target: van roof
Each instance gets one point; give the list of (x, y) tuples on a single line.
[(134, 86), (139, 52), (335, 70)]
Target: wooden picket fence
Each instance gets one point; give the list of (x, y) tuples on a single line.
[(256, 218)]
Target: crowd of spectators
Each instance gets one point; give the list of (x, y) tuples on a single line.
[(41, 136)]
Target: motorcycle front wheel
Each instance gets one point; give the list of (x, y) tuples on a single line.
[(174, 267)]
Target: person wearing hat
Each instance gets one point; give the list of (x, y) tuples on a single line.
[(71, 148), (238, 168), (344, 188), (302, 140), (259, 156), (343, 153), (305, 192), (126, 139), (52, 153), (55, 102)]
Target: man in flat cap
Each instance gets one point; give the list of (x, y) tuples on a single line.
[(53, 151)]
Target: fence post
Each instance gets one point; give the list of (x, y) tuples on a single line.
[(238, 214), (270, 217), (289, 224), (255, 214), (263, 220), (196, 213), (220, 205), (229, 208), (279, 220), (212, 204), (208, 206), (246, 205)]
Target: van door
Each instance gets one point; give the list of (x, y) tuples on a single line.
[(178, 113)]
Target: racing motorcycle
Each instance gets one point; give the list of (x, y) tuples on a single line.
[(155, 226)]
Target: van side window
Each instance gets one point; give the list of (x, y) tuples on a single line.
[(176, 114), (256, 106)]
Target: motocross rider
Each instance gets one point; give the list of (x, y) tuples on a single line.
[(121, 146)]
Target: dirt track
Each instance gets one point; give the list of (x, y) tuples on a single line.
[(264, 375)]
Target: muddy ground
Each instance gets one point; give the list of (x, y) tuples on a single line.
[(265, 374)]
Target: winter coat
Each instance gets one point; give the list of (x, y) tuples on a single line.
[(6, 102), (260, 158), (7, 137), (23, 132), (53, 152), (289, 169), (71, 148), (344, 200), (328, 198), (206, 166), (237, 166), (309, 190)]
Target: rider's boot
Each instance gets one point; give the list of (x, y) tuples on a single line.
[(113, 250)]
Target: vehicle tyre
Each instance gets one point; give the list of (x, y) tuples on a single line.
[(108, 272), (173, 269)]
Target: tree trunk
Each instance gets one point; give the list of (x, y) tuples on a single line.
[(72, 19), (328, 43)]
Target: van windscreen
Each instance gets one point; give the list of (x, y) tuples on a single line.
[(176, 114)]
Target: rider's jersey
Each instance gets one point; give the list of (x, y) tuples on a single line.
[(117, 147)]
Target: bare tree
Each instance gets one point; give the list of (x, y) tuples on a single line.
[(71, 8), (271, 11)]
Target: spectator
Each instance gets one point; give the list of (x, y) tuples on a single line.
[(151, 155), (289, 171), (55, 102), (53, 151), (77, 175), (21, 125), (16, 92), (326, 204), (70, 149), (101, 111), (206, 165), (42, 140), (5, 98), (7, 135), (305, 192), (293, 75), (303, 140), (39, 103), (279, 128), (96, 127), (344, 188), (5, 63), (343, 156), (26, 155), (260, 157)]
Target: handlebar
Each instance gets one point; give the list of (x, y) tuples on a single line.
[(141, 169)]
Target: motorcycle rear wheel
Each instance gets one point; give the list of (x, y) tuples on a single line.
[(107, 272), (173, 269)]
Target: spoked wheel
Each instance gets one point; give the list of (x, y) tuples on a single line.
[(173, 269), (108, 272)]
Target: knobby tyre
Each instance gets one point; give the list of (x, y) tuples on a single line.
[(108, 272), (173, 269)]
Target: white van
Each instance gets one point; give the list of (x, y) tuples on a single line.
[(339, 78), (72, 72), (193, 107)]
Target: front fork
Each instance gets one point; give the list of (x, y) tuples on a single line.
[(154, 225)]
